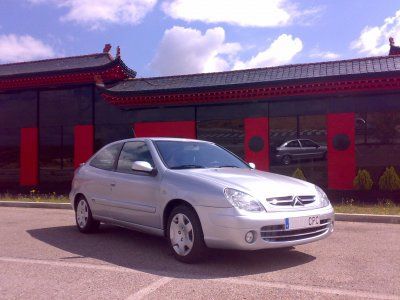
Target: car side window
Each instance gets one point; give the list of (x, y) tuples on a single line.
[(131, 152), (308, 143), (105, 159), (293, 144)]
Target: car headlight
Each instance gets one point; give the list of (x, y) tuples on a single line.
[(242, 200), (322, 197)]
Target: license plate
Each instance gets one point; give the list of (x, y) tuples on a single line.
[(301, 222)]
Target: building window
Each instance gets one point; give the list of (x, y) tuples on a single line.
[(9, 162), (56, 156), (108, 133), (227, 133), (378, 142), (299, 142)]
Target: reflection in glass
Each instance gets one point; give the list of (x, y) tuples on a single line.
[(377, 142), (299, 142), (56, 156), (9, 154), (227, 133)]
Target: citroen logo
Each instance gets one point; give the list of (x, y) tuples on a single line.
[(297, 201)]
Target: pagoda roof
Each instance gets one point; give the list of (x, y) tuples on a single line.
[(340, 69), (59, 65)]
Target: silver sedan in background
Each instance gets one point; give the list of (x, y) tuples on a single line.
[(198, 195)]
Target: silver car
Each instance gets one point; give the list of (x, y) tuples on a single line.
[(198, 195), (298, 150)]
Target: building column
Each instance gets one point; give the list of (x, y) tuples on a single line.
[(29, 157), (83, 143), (179, 129), (256, 142), (341, 151)]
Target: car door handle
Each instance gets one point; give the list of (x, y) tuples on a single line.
[(112, 184)]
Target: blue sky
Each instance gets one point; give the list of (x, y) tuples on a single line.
[(163, 37)]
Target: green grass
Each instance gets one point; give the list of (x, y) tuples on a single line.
[(385, 207), (35, 197)]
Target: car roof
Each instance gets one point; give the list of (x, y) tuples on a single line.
[(161, 139)]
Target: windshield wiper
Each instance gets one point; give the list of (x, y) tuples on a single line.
[(228, 166), (187, 167)]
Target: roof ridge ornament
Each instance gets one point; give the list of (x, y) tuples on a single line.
[(118, 54), (107, 48), (394, 50)]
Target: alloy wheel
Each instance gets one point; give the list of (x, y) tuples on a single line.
[(181, 234), (82, 213)]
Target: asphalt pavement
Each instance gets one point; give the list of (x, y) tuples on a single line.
[(43, 256)]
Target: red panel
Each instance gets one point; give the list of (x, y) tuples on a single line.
[(181, 129), (341, 163), (257, 129), (29, 158), (83, 143)]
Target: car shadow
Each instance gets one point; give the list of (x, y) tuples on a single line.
[(150, 254)]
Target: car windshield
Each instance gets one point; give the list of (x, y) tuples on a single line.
[(192, 155)]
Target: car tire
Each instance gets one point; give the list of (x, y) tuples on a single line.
[(286, 160), (83, 217), (185, 235)]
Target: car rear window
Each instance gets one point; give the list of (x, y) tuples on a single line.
[(105, 158)]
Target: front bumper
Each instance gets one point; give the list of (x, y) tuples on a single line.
[(224, 228)]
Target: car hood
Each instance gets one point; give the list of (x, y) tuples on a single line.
[(254, 182)]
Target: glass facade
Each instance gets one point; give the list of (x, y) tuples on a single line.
[(378, 142), (299, 142), (59, 112), (297, 130), (227, 133), (11, 122)]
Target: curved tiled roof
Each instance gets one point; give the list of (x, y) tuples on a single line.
[(311, 71), (58, 65)]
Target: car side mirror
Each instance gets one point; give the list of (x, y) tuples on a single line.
[(142, 166), (252, 165)]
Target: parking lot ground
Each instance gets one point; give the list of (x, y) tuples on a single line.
[(43, 256)]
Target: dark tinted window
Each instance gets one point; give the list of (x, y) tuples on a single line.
[(133, 151), (293, 144), (66, 107), (56, 156), (308, 143), (105, 159), (9, 157), (184, 155), (227, 133)]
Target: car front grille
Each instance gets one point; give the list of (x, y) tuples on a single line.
[(291, 200), (277, 233)]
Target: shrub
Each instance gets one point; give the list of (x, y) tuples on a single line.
[(363, 180), (390, 180), (298, 173)]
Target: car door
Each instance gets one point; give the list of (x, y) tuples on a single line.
[(309, 149), (293, 148), (99, 179), (135, 194)]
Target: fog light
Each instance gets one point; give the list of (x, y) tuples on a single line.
[(250, 237)]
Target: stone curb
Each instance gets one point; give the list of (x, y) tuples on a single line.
[(35, 204), (389, 219)]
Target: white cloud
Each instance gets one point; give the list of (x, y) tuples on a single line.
[(186, 50), (374, 40), (251, 13), (281, 51), (97, 13), (14, 48), (328, 55)]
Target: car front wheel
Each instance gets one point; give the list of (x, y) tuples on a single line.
[(185, 235), (84, 218)]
